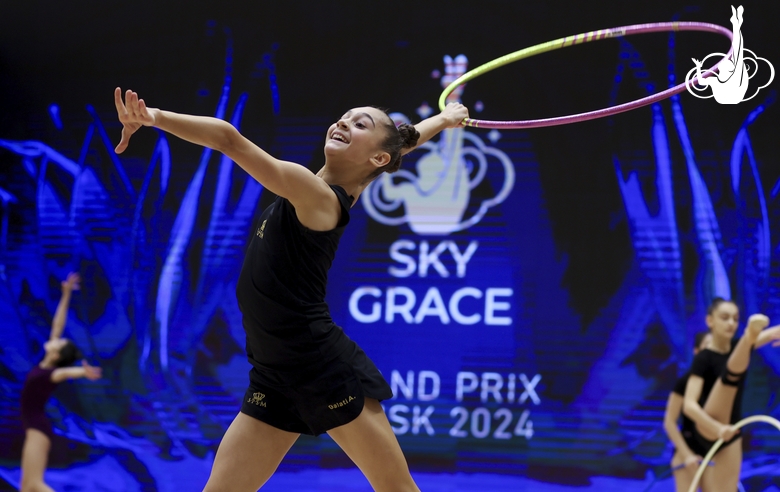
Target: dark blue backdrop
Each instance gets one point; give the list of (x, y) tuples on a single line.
[(530, 295)]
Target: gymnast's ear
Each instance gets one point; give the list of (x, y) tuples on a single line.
[(381, 159)]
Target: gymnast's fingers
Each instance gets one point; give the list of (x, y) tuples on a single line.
[(120, 106)]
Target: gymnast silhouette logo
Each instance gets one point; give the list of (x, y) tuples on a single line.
[(435, 199), (734, 71)]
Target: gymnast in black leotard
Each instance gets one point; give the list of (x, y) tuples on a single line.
[(713, 395), (687, 450), (307, 376), (311, 375)]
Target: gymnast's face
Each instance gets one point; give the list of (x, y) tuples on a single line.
[(724, 320), (357, 136)]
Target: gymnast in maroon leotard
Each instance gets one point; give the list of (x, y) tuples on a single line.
[(60, 354), (38, 387)]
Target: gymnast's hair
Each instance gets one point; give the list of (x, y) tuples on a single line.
[(69, 354), (398, 138), (698, 338), (716, 303)]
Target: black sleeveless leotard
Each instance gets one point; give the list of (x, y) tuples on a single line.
[(308, 376)]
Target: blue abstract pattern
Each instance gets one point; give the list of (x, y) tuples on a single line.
[(160, 245)]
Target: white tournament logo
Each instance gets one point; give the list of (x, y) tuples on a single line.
[(734, 72), (436, 198)]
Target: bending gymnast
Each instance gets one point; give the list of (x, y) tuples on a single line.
[(307, 377), (731, 84), (687, 451), (713, 396), (38, 387)]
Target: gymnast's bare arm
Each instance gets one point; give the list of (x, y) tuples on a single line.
[(61, 314), (673, 409), (768, 335), (315, 203), (85, 371)]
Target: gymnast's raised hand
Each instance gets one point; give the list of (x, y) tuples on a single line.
[(133, 114)]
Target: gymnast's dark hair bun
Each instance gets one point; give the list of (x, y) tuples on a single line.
[(409, 135), (404, 136), (69, 354), (698, 338)]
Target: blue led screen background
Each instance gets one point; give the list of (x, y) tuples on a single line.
[(531, 296)]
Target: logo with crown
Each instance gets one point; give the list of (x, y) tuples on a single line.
[(257, 399), (436, 199)]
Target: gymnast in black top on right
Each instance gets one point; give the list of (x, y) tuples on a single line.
[(687, 451), (713, 395)]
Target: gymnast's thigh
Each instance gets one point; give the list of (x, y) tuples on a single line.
[(35, 456), (724, 475), (248, 455)]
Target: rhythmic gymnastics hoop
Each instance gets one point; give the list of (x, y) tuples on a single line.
[(579, 39), (714, 449)]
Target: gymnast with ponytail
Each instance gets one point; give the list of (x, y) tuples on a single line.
[(713, 394), (307, 375), (41, 381), (688, 452)]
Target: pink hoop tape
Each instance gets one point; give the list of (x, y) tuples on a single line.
[(579, 39)]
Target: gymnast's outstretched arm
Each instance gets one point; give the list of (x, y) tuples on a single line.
[(87, 371), (310, 195), (61, 314), (769, 335)]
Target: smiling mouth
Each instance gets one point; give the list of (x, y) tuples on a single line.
[(339, 138)]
